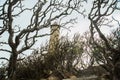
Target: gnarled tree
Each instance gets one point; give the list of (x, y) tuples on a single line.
[(104, 47), (42, 14)]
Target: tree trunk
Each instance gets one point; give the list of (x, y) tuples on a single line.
[(12, 67)]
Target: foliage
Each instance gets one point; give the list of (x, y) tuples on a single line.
[(42, 63)]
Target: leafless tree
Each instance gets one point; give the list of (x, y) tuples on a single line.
[(43, 13), (103, 47)]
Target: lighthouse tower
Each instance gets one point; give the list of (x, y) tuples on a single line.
[(54, 37)]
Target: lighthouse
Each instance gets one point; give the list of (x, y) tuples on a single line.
[(54, 37)]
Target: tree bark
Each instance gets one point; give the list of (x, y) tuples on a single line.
[(12, 67)]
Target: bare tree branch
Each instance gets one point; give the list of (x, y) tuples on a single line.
[(43, 13), (4, 58)]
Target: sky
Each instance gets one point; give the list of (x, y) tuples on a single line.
[(81, 26)]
